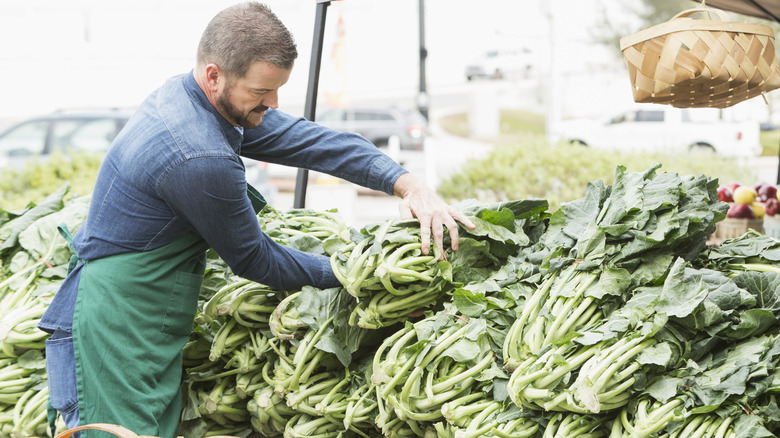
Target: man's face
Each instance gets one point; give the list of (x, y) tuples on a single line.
[(243, 101)]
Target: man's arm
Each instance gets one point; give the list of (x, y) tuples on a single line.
[(294, 141), (297, 142), (209, 195)]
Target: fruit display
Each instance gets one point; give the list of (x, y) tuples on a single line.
[(750, 202), (750, 207)]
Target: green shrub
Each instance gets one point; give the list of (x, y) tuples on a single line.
[(38, 178), (770, 142), (530, 168)]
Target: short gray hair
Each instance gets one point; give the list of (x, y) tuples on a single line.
[(243, 34)]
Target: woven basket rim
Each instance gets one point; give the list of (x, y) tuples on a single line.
[(689, 24)]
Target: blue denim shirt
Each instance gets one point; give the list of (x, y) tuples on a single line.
[(175, 168)]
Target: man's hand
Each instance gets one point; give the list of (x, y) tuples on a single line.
[(420, 201)]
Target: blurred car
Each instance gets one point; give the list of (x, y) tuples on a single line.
[(502, 64), (64, 131), (663, 128), (379, 124)]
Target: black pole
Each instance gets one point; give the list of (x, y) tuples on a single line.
[(302, 179), (422, 97)]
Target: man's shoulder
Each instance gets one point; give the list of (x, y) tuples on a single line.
[(192, 126)]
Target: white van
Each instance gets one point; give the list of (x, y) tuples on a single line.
[(663, 128)]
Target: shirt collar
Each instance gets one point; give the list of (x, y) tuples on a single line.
[(233, 134)]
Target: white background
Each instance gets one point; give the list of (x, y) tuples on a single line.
[(72, 53), (81, 53)]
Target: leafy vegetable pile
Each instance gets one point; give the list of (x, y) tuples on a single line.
[(33, 261), (609, 317)]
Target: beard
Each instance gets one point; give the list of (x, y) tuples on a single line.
[(233, 114)]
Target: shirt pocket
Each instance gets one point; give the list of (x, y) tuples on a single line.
[(182, 304)]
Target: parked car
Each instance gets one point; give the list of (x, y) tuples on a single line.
[(502, 64), (64, 130), (378, 124), (663, 128)]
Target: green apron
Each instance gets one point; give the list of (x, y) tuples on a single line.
[(134, 313)]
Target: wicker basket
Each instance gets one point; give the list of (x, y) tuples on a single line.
[(772, 226), (701, 63), (731, 227)]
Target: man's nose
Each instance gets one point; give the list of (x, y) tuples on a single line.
[(271, 100)]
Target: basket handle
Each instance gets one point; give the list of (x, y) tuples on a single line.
[(119, 431), (689, 12)]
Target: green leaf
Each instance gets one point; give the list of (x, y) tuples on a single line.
[(521, 208), (463, 350), (9, 231), (652, 270), (498, 232), (306, 243), (751, 426), (658, 354), (503, 217), (664, 388), (611, 281), (32, 360), (751, 322), (328, 310), (472, 253), (764, 286), (477, 328), (682, 292), (469, 304), (42, 235)]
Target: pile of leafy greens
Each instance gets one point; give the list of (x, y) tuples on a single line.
[(610, 316)]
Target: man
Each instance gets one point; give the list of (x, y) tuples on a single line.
[(173, 185)]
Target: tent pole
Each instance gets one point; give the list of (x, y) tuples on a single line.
[(302, 179)]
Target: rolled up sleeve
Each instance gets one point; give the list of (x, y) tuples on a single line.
[(297, 142)]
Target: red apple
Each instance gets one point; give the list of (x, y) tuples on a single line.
[(725, 194), (740, 211), (772, 206), (766, 192), (733, 185)]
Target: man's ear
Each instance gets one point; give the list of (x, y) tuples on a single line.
[(213, 77)]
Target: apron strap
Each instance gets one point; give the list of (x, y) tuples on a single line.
[(65, 232), (258, 201), (51, 416)]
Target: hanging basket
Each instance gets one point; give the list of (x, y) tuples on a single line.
[(701, 63)]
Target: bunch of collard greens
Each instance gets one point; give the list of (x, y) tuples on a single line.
[(642, 298)]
